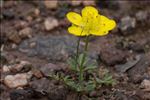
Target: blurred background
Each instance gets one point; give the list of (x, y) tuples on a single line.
[(34, 33)]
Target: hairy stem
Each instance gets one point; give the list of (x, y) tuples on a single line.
[(77, 51), (83, 60)]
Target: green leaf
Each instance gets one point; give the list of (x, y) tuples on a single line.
[(73, 64), (81, 58), (107, 80), (89, 68), (90, 86)]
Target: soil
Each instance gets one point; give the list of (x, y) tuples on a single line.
[(125, 52)]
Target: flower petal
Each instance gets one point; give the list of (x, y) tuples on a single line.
[(107, 23), (101, 32), (89, 11), (75, 30), (104, 26), (75, 18), (112, 24)]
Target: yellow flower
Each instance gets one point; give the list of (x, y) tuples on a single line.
[(90, 23)]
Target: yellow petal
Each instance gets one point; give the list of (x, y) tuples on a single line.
[(101, 32), (89, 11), (112, 24), (75, 30), (107, 23), (74, 18)]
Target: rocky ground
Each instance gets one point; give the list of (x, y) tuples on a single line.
[(35, 43)]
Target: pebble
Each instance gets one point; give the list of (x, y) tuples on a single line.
[(26, 33), (48, 68), (126, 24), (14, 46), (51, 4), (32, 45), (146, 85), (84, 2), (20, 66), (5, 69), (75, 3), (141, 15), (37, 73), (129, 64), (18, 80), (136, 73), (50, 23), (8, 14), (37, 12), (14, 37), (112, 56), (88, 2)]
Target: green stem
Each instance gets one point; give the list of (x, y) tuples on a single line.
[(83, 60), (77, 50)]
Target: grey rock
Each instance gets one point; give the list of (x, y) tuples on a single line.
[(53, 48), (124, 67), (18, 80), (127, 24), (112, 56), (53, 92), (120, 95), (22, 66), (8, 14), (50, 68), (141, 15), (140, 45), (51, 4), (26, 32), (135, 73), (26, 94), (146, 85), (14, 37), (50, 23)]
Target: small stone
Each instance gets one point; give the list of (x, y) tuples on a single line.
[(18, 25), (48, 68), (112, 56), (18, 80), (20, 66), (26, 32), (41, 85), (127, 24), (14, 37), (50, 23), (51, 4), (23, 24), (75, 3), (32, 45), (37, 73), (29, 18), (6, 69), (14, 46), (8, 14), (37, 12), (146, 85), (137, 72), (129, 64), (138, 46), (20, 94), (54, 48), (88, 2), (141, 15)]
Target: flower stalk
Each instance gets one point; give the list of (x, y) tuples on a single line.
[(83, 60)]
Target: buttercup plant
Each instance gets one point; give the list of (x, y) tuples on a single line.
[(90, 22)]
